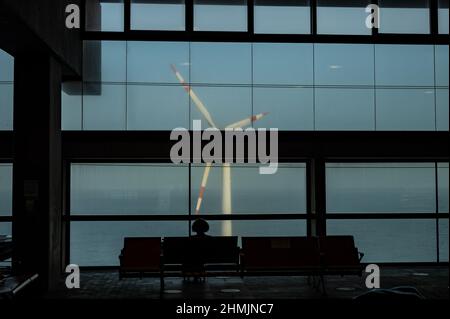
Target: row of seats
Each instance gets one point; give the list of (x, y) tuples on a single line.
[(202, 256)]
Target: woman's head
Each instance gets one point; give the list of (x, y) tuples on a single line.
[(200, 226)]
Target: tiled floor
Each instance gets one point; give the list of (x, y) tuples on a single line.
[(431, 282)]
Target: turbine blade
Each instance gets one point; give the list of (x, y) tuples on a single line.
[(247, 121), (198, 103), (202, 187)]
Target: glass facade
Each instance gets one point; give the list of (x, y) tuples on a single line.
[(443, 13), (362, 87), (380, 188), (6, 172), (282, 17), (105, 15), (141, 86), (390, 188), (394, 240), (99, 243), (220, 15), (5, 189), (411, 16), (342, 17), (6, 91), (157, 15)]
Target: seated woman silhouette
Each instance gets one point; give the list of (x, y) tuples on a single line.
[(197, 250)]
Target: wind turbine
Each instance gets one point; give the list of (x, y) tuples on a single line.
[(226, 169)]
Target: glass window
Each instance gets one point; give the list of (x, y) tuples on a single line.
[(104, 15), (443, 16), (283, 17), (442, 113), (342, 17), (105, 110), (6, 67), (158, 15), (226, 105), (104, 61), (151, 61), (442, 65), (6, 228), (380, 188), (288, 109), (221, 63), (344, 64), (344, 109), (264, 228), (443, 187), (404, 65), (405, 110), (443, 240), (411, 16), (6, 106), (220, 15), (71, 106), (252, 192), (6, 172), (157, 107), (100, 243), (392, 240), (129, 189), (283, 63)]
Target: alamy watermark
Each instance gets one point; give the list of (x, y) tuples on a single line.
[(212, 152)]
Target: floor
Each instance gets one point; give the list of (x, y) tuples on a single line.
[(432, 282)]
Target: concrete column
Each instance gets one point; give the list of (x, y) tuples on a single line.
[(37, 177)]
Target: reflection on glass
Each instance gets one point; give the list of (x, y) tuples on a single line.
[(283, 63), (252, 192), (391, 240), (226, 105), (404, 65), (104, 15), (6, 67), (443, 16), (342, 17), (157, 107), (344, 109), (99, 243), (441, 65), (442, 113), (380, 188), (157, 15), (129, 189), (151, 61), (289, 109), (104, 61), (220, 15), (221, 63), (6, 189), (344, 64), (6, 106), (443, 187), (405, 110), (283, 17), (404, 16), (106, 110), (443, 240), (71, 106)]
